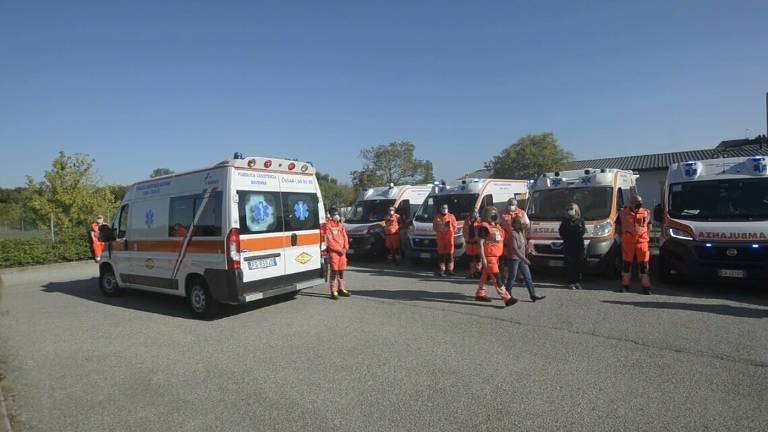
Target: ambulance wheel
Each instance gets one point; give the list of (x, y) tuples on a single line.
[(108, 282), (202, 304), (663, 271)]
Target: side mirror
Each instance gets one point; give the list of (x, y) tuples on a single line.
[(658, 213)]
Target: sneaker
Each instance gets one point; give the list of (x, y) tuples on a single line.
[(537, 298), (572, 286), (334, 296), (647, 291), (510, 301), (482, 299), (344, 293)]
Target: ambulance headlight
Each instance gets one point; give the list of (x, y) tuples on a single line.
[(602, 229), (679, 234)]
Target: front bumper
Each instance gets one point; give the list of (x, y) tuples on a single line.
[(426, 247), (550, 253), (365, 245), (708, 261), (227, 286)]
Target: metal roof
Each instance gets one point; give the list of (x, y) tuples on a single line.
[(664, 160)]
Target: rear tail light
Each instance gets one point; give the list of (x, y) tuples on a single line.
[(233, 249)]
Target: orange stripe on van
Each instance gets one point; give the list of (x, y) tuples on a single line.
[(171, 246), (267, 243)]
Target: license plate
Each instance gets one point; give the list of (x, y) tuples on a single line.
[(740, 274), (425, 255), (262, 263), (350, 251), (556, 263)]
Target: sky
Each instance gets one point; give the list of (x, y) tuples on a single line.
[(184, 84)]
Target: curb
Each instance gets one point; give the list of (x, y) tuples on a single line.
[(5, 423)]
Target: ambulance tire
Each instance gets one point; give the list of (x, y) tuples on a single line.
[(663, 272), (108, 282), (201, 302)]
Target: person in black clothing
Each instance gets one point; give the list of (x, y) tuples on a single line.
[(572, 232)]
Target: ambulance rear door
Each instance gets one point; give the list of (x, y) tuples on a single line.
[(301, 215), (260, 213)]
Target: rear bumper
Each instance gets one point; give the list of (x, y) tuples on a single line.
[(227, 286), (694, 261)]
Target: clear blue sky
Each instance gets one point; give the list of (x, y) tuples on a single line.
[(139, 85)]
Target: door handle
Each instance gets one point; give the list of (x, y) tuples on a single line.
[(294, 239)]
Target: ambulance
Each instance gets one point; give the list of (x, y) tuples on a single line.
[(715, 221), (242, 230), (600, 194), (365, 224), (421, 243)]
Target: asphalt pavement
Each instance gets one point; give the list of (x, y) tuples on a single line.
[(407, 352)]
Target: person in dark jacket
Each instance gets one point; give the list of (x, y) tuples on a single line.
[(572, 232)]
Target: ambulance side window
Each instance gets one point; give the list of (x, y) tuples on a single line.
[(301, 211), (260, 212), (122, 222), (487, 201), (180, 215)]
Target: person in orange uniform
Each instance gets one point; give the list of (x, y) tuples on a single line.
[(470, 237), (635, 223), (507, 217), (491, 246), (97, 247), (337, 244), (445, 225), (392, 224)]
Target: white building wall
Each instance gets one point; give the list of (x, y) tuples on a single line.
[(650, 185)]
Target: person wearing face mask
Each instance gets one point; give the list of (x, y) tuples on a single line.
[(392, 225), (635, 225), (520, 261), (337, 244), (572, 231), (508, 215), (444, 226), (472, 252), (491, 246)]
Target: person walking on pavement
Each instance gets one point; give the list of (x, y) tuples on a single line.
[(491, 245), (472, 252), (572, 231), (520, 261), (444, 226), (337, 244), (635, 225), (507, 216), (392, 224)]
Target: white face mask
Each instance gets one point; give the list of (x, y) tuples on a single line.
[(391, 212), (336, 218), (444, 211), (512, 207), (571, 212)]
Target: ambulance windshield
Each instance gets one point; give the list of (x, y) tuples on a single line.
[(370, 211), (550, 204), (460, 205), (714, 200)]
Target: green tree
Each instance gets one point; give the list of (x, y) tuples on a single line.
[(334, 193), (70, 194), (529, 157), (391, 163), (159, 172)]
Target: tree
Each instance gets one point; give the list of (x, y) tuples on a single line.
[(529, 157), (391, 163), (159, 172), (69, 193), (335, 194)]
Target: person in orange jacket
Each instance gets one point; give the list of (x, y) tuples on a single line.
[(445, 225), (469, 230), (491, 246), (97, 247), (635, 223), (392, 224), (337, 244)]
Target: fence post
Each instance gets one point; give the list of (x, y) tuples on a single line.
[(53, 236)]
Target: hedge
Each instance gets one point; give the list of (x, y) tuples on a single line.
[(25, 252)]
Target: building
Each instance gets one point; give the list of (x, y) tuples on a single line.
[(652, 168)]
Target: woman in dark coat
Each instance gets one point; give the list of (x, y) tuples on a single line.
[(572, 232)]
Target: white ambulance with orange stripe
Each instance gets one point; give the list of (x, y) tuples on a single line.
[(245, 229)]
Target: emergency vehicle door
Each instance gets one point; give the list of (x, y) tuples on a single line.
[(301, 241), (118, 249), (261, 233)]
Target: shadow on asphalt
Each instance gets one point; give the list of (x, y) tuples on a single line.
[(734, 311), (145, 301)]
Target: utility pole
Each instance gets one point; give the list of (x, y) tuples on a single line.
[(53, 236)]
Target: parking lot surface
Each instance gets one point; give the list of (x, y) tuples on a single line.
[(408, 352)]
